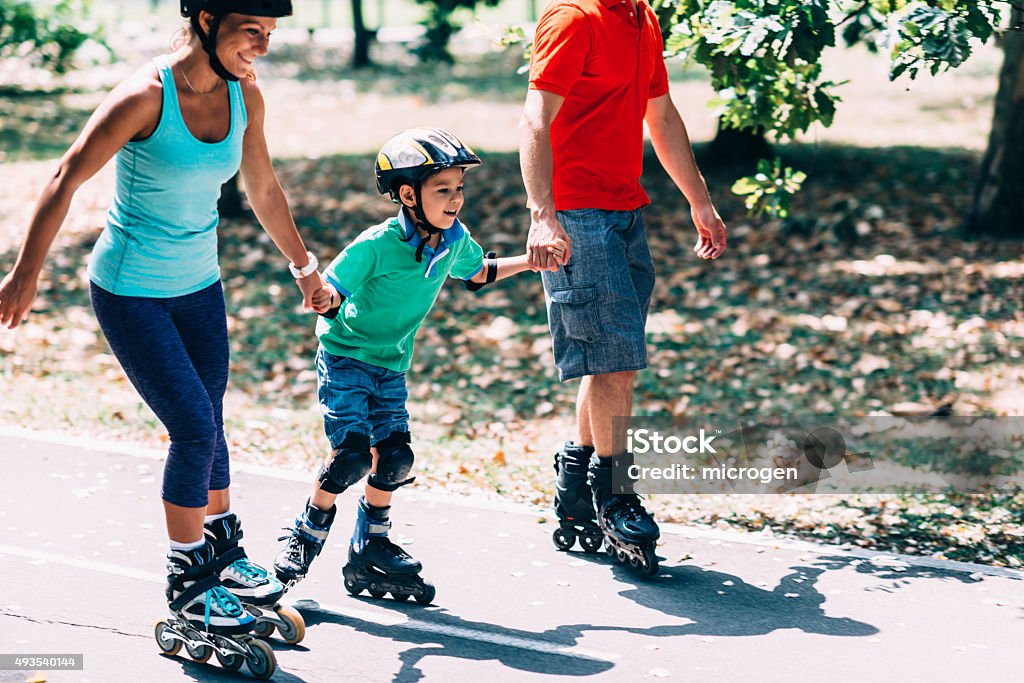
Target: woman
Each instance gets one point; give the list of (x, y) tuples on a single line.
[(178, 129)]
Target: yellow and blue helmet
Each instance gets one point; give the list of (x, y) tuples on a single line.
[(417, 153)]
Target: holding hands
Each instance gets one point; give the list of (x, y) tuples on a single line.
[(548, 245), (324, 299)]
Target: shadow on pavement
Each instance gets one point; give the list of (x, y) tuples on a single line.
[(720, 604), (435, 642)]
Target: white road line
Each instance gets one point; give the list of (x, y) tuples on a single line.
[(381, 618), (80, 563), (457, 632), (481, 503)]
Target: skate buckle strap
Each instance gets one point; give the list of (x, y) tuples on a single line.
[(197, 588), (229, 557), (311, 531), (377, 528)]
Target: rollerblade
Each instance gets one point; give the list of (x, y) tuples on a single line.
[(305, 540), (380, 566), (574, 505), (251, 583), (207, 618), (630, 533)]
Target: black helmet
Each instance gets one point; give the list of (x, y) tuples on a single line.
[(218, 8), (415, 154)]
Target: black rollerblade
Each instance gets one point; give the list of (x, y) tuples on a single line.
[(207, 618), (630, 532), (251, 583), (305, 540), (574, 504), (378, 565)]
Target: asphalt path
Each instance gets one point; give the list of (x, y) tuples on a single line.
[(82, 550)]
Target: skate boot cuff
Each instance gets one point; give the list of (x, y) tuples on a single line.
[(319, 519)]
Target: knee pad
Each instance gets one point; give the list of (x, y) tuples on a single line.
[(394, 462), (350, 464)]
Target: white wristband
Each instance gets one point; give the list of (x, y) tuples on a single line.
[(306, 270)]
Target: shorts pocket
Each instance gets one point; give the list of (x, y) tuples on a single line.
[(579, 312)]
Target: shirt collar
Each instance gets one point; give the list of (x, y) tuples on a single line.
[(431, 257), (448, 237)]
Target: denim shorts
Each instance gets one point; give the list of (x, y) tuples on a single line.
[(597, 303), (359, 397)]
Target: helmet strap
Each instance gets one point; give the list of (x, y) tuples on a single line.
[(209, 43), (422, 222)]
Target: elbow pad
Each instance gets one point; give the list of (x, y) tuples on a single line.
[(490, 273)]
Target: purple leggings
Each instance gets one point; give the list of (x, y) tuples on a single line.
[(175, 352)]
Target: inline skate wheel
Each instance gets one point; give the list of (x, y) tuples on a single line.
[(200, 653), (261, 661), (293, 628), (401, 597), (232, 662), (353, 587), (591, 542), (167, 643), (426, 596), (563, 538), (649, 564), (263, 629), (376, 592)]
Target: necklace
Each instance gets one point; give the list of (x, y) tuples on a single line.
[(190, 87)]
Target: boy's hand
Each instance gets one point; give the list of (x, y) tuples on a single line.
[(324, 298), (556, 251)]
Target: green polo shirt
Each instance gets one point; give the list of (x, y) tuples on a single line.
[(388, 293)]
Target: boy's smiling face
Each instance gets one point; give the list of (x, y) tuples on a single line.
[(442, 197)]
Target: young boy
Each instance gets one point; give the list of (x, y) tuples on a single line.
[(379, 290)]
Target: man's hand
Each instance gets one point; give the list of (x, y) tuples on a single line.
[(310, 285), (324, 298), (16, 296), (545, 234), (710, 231)]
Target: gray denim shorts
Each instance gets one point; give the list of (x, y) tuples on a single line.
[(597, 303)]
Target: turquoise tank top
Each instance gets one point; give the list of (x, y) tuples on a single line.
[(161, 234)]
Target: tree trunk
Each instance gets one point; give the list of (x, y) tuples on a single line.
[(999, 199), (732, 146), (230, 203), (361, 54)]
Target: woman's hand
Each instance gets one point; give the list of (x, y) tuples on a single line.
[(17, 292), (324, 298), (310, 285)]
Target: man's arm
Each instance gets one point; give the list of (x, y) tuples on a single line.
[(672, 145), (535, 159)]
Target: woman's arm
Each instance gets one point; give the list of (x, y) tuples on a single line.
[(130, 111), (266, 196)]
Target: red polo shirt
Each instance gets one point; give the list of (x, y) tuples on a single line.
[(605, 59)]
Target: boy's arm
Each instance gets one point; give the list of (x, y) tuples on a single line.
[(499, 268)]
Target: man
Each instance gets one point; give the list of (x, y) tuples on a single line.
[(597, 74)]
